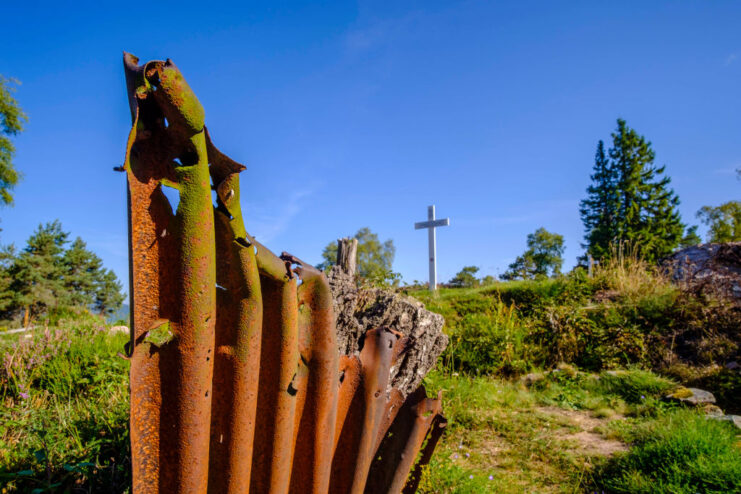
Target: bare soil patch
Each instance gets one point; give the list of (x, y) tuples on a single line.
[(587, 440)]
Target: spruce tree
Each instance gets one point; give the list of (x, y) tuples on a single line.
[(630, 202), (599, 209)]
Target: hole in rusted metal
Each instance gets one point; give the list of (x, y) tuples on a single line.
[(172, 195)]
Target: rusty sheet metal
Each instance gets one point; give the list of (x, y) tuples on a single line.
[(236, 380)]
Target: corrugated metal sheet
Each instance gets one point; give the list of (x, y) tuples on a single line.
[(236, 381)]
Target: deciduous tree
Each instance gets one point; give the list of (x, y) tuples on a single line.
[(724, 221), (12, 119), (543, 257), (375, 258)]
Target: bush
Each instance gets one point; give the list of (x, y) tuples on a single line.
[(677, 453), (488, 337)]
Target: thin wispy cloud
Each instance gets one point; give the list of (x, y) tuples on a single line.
[(266, 225), (540, 213), (731, 58), (726, 171)]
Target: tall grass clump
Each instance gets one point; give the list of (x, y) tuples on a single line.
[(488, 337), (677, 453), (64, 411), (628, 277)]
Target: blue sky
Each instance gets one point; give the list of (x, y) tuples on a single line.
[(361, 114)]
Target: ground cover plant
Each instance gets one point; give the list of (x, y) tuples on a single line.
[(554, 385), (627, 313), (570, 431), (64, 412)]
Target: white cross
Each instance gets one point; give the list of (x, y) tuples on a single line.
[(431, 224)]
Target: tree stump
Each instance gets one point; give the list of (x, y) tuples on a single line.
[(347, 252)]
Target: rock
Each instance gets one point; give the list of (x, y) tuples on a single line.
[(712, 411), (360, 309), (734, 419), (693, 396), (530, 379), (119, 329), (708, 268)]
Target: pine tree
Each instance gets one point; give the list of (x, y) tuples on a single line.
[(45, 275), (108, 296), (631, 202), (81, 273), (38, 271)]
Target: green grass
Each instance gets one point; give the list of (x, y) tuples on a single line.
[(677, 453), (589, 342), (64, 412), (503, 437)]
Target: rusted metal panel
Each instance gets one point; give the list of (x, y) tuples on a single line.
[(236, 381)]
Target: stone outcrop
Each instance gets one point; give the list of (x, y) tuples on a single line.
[(713, 269), (360, 309), (692, 396)]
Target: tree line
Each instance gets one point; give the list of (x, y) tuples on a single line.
[(47, 275), (629, 204)]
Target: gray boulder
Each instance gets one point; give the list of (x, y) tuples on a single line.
[(708, 268), (692, 396)]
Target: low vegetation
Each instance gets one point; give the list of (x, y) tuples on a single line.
[(555, 385), (570, 431), (65, 408), (626, 314)]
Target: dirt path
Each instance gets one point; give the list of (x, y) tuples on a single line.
[(588, 441)]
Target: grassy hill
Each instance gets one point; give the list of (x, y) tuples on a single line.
[(549, 386)]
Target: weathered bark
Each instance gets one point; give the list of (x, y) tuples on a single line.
[(359, 309), (347, 252)]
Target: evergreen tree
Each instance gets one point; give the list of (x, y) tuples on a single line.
[(690, 237), (108, 296), (466, 277), (630, 201), (44, 275), (81, 268), (38, 271), (599, 209), (87, 283)]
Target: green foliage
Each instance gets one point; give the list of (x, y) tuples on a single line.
[(599, 210), (676, 453), (543, 257), (630, 200), (626, 313), (12, 119), (45, 277), (690, 237), (64, 419), (374, 258), (466, 277), (724, 221)]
